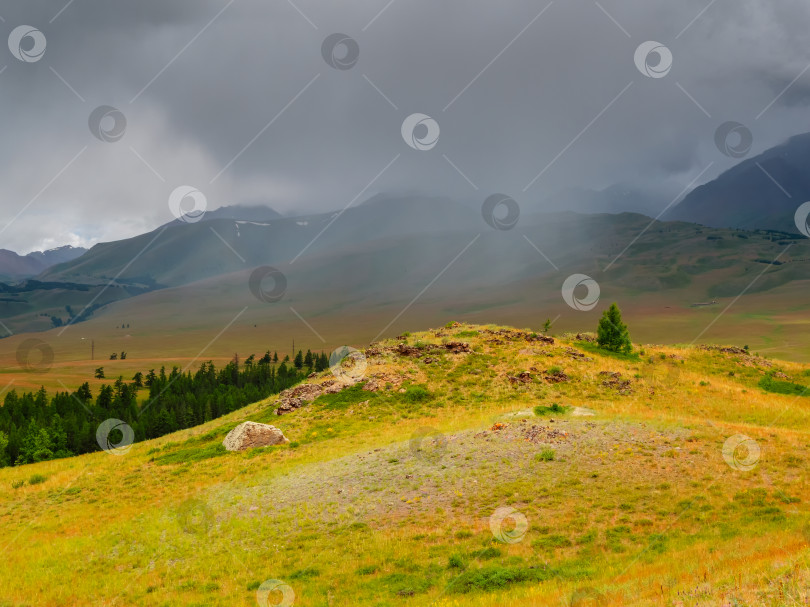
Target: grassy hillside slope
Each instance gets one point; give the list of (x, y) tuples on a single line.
[(417, 493)]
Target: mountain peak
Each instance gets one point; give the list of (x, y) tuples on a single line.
[(243, 212), (762, 192)]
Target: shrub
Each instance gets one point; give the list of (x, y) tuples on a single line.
[(416, 394), (541, 410), (406, 585), (36, 479), (495, 578), (785, 498), (456, 561), (546, 455), (487, 553), (769, 384), (587, 538), (303, 574), (550, 542)]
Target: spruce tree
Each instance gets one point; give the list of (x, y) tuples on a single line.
[(612, 333)]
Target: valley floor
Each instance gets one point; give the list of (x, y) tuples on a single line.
[(669, 477)]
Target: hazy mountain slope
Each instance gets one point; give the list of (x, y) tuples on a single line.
[(618, 198), (182, 253), (464, 271), (238, 212), (52, 257), (759, 193), (14, 266)]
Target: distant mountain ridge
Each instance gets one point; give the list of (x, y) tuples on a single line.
[(759, 193), (376, 250), (14, 266), (618, 198), (381, 253), (239, 212), (199, 250)]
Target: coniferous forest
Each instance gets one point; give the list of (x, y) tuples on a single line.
[(34, 427)]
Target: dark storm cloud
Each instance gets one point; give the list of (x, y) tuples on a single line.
[(237, 100)]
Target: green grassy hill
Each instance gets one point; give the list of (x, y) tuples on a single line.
[(521, 473)]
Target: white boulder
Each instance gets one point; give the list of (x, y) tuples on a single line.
[(250, 435)]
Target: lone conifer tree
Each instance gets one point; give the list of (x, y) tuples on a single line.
[(612, 333)]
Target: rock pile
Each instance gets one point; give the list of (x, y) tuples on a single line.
[(521, 378), (556, 376), (517, 335), (614, 380), (454, 347), (524, 431)]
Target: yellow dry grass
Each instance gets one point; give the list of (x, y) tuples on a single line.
[(638, 505)]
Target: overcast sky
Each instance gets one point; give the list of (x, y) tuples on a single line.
[(236, 99)]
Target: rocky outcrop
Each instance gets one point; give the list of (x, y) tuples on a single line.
[(556, 376), (614, 380), (514, 335), (378, 382), (295, 398), (521, 378), (454, 347), (250, 435)]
